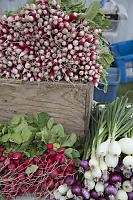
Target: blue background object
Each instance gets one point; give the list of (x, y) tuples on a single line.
[(113, 80), (123, 59)]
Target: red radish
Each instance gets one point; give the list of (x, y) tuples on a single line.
[(73, 16), (63, 160), (12, 167), (2, 149), (50, 161), (20, 168), (45, 155), (16, 161), (31, 189), (17, 155), (58, 157), (60, 150), (40, 166), (69, 170), (95, 82), (1, 165), (52, 152), (7, 161), (54, 174), (26, 162), (44, 161), (24, 188), (36, 160), (49, 146), (50, 183), (2, 158), (56, 185), (71, 163)]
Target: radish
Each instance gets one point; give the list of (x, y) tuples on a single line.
[(49, 146), (7, 161), (73, 16), (17, 155), (11, 166)]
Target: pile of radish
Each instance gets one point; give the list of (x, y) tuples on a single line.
[(43, 43), (39, 176)]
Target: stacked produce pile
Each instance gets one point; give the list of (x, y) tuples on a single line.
[(39, 176), (37, 157), (110, 173), (31, 157), (44, 43)]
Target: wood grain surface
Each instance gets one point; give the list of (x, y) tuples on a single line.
[(68, 103)]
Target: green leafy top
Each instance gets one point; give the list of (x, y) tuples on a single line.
[(30, 134)]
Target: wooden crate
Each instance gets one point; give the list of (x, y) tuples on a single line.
[(68, 103)]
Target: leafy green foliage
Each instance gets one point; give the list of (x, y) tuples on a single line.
[(31, 169), (30, 134), (93, 10)]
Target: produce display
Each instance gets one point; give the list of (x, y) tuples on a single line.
[(63, 40), (45, 40), (38, 158)]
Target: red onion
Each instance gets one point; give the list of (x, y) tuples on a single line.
[(85, 193), (115, 178), (76, 189), (102, 198), (111, 190), (105, 178), (130, 195), (94, 194), (131, 180), (84, 164), (127, 173)]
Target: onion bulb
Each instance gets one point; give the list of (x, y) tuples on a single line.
[(127, 149)]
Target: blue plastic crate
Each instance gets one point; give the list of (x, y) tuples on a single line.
[(123, 59), (113, 80)]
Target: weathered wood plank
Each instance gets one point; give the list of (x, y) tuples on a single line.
[(68, 103)]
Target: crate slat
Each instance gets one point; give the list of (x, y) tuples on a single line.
[(68, 103)]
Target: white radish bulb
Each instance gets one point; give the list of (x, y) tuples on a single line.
[(103, 148), (70, 47), (121, 195), (75, 42), (114, 148), (126, 149), (128, 162), (63, 189)]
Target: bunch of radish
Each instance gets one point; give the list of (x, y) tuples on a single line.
[(43, 43), (50, 172)]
